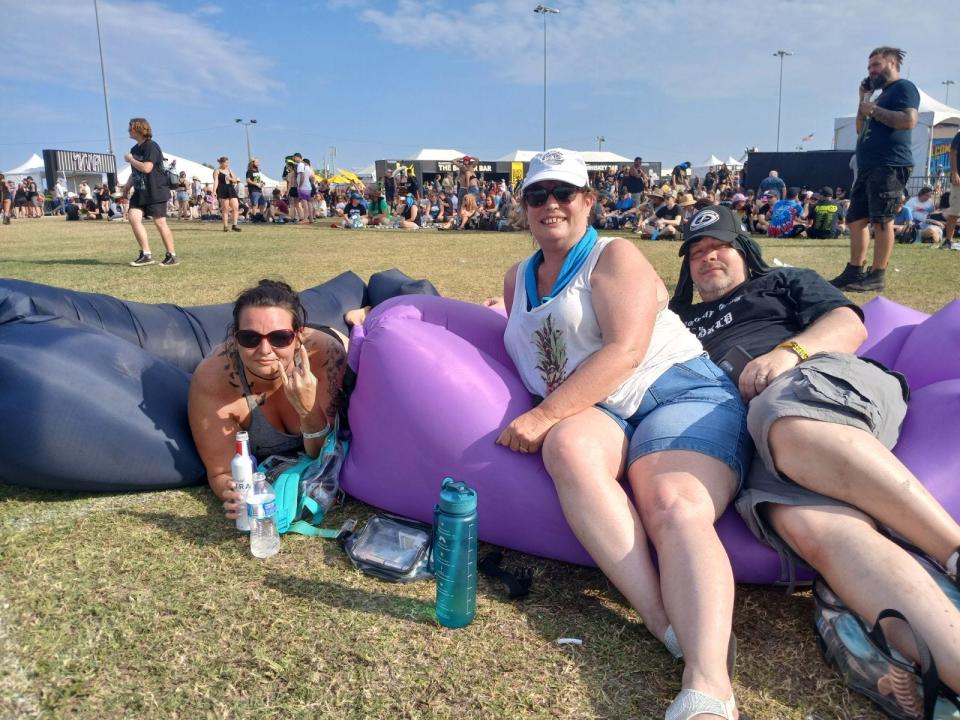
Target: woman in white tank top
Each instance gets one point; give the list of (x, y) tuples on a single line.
[(589, 331)]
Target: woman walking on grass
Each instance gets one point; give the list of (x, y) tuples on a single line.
[(150, 193)]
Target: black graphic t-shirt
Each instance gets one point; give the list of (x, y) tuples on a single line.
[(764, 312), (668, 213), (825, 215), (880, 145), (353, 211), (151, 187)]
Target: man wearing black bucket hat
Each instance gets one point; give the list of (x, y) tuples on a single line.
[(823, 422)]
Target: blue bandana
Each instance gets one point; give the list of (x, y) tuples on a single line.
[(571, 266)]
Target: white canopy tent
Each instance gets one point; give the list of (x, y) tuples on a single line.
[(194, 170), (518, 156), (935, 121), (602, 159), (445, 155), (591, 157), (711, 162), (32, 167)]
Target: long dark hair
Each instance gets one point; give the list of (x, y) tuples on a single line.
[(270, 293)]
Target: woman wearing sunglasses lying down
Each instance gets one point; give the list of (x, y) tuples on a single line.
[(628, 394), (274, 377)]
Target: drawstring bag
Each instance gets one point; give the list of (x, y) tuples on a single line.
[(306, 488), (870, 666)]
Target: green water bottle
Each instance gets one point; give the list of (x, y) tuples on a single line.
[(455, 553)]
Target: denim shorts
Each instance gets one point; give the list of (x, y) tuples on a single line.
[(692, 406)]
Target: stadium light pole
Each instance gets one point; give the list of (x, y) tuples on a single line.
[(103, 78), (946, 95), (544, 10), (781, 53), (246, 129), (600, 141)]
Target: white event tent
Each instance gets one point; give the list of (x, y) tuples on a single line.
[(935, 121), (32, 167), (595, 159), (443, 155)]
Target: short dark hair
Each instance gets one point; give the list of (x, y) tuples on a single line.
[(270, 293), (890, 53), (792, 193)]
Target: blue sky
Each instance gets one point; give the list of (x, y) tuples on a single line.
[(670, 81)]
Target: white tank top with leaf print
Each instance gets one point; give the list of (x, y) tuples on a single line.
[(548, 342)]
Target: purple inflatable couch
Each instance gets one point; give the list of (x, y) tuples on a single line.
[(435, 387)]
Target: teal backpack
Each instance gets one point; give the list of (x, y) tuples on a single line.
[(306, 488)]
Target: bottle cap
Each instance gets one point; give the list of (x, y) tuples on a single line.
[(457, 498), (242, 435)]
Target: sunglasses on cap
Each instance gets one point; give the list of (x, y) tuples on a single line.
[(277, 338), (537, 195)]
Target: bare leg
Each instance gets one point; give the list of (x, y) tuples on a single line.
[(859, 241), (951, 224), (225, 213), (234, 210), (680, 495), (882, 244), (870, 573), (135, 216), (584, 455), (853, 466), (165, 234)]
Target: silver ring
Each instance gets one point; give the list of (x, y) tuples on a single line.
[(761, 378)]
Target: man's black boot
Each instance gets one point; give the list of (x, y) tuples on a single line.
[(850, 274)]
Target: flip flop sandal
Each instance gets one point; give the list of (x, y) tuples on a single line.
[(690, 703)]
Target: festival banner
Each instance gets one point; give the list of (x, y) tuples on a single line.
[(516, 174), (940, 156)]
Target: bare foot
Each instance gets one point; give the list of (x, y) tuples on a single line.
[(357, 316)]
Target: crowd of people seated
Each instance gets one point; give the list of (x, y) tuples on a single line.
[(629, 199)]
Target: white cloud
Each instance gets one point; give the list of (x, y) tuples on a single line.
[(149, 50), (208, 9), (707, 49)]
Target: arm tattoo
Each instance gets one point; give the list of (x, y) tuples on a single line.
[(897, 119)]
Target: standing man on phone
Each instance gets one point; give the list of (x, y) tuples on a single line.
[(884, 164)]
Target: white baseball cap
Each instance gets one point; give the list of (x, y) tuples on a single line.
[(557, 164)]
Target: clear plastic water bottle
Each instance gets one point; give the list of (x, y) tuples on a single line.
[(241, 468), (455, 554), (262, 511)]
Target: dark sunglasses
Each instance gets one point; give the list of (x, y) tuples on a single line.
[(277, 338), (537, 196)]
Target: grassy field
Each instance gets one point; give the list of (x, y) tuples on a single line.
[(150, 605)]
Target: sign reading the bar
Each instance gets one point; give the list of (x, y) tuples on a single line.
[(450, 167)]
